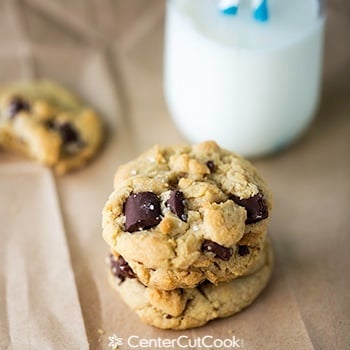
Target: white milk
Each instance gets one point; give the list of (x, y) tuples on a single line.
[(253, 87)]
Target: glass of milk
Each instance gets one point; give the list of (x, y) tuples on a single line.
[(252, 86)]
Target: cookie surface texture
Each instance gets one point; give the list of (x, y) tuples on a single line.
[(193, 307), (182, 215)]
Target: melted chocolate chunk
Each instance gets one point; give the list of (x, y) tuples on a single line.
[(50, 124), (243, 250), (68, 133), (142, 211), (70, 137), (255, 206), (220, 252), (16, 105), (120, 268), (176, 203), (211, 165)]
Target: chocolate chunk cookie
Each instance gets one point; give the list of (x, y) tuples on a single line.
[(45, 122), (185, 214), (192, 307)]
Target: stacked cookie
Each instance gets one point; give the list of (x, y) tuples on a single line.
[(44, 121), (187, 228)]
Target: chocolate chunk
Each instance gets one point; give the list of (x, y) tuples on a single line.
[(255, 206), (211, 165), (142, 211), (176, 203), (68, 133), (120, 268), (70, 137), (16, 105), (220, 252), (50, 124), (243, 250)]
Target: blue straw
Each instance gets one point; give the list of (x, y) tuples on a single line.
[(228, 7), (260, 10)]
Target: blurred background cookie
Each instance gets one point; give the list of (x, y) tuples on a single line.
[(45, 122)]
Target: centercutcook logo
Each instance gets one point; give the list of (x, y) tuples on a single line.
[(181, 342)]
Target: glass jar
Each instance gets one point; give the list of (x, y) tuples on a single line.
[(253, 87)]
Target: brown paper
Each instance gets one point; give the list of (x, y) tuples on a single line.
[(53, 286), (39, 301)]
